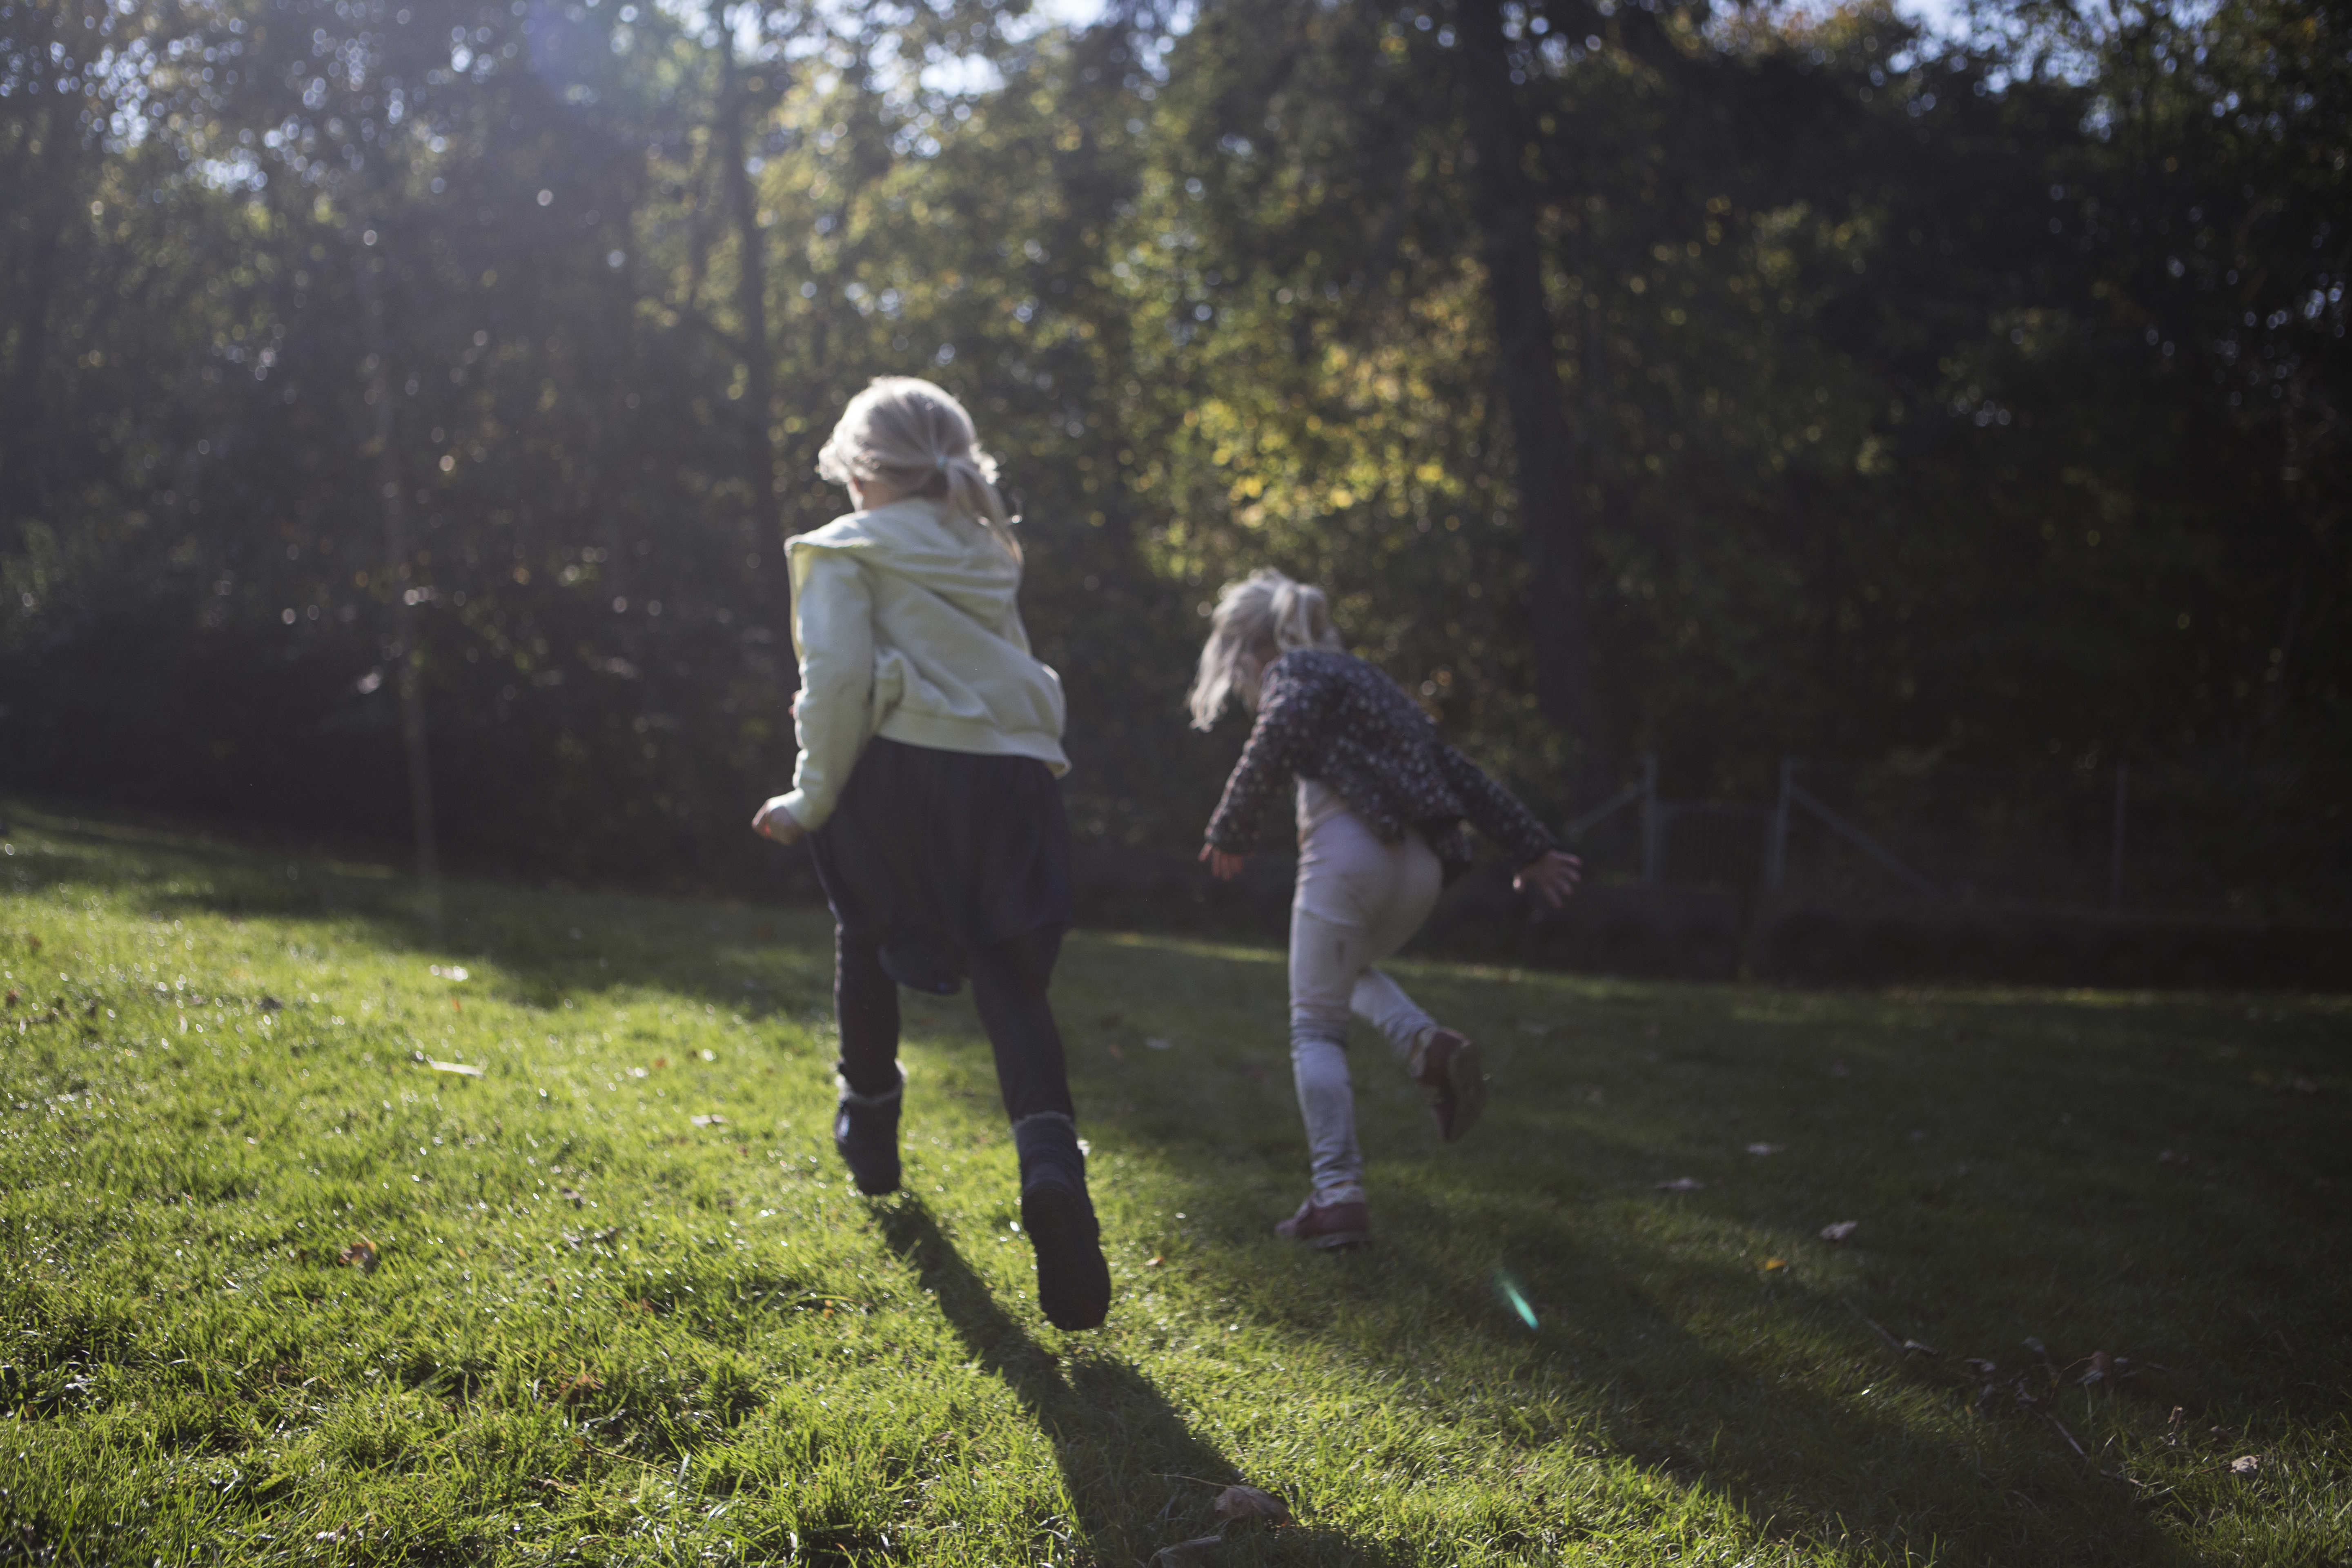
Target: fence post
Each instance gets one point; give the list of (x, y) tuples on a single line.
[(1650, 822), (1776, 841), (2115, 851)]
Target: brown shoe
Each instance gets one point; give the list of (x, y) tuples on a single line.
[(1327, 1227), (1454, 1077)]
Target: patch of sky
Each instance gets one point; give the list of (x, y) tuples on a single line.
[(1943, 18)]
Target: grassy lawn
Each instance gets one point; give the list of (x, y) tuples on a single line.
[(277, 1288)]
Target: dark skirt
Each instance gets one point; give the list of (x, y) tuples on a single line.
[(933, 854)]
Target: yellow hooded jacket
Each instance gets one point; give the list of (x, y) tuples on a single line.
[(907, 626)]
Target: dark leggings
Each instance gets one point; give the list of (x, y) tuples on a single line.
[(1008, 985)]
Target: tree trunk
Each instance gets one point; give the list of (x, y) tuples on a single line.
[(1552, 513), (751, 308), (409, 682), (57, 191)]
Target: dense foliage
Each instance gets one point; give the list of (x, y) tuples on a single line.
[(1975, 400)]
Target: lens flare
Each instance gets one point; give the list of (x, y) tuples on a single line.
[(1514, 1297)]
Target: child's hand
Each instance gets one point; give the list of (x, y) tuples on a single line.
[(1550, 877), (773, 821), (1225, 868)]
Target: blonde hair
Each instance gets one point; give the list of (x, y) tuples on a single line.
[(1263, 607), (915, 437)]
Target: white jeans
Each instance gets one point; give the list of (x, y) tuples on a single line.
[(1357, 901)]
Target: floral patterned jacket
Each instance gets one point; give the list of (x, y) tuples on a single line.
[(1332, 717)]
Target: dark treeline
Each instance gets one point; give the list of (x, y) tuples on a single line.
[(1717, 382)]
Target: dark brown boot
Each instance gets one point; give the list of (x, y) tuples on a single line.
[(1327, 1226)]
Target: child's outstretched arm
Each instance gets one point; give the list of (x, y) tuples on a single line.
[(832, 627), (1268, 763), (1537, 863)]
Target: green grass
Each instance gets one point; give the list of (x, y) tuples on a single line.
[(599, 1332)]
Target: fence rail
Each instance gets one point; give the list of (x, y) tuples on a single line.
[(2218, 838)]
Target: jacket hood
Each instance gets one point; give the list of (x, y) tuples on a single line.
[(919, 540)]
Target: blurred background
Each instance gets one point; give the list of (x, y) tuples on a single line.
[(1872, 475)]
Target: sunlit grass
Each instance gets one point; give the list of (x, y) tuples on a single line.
[(598, 1329)]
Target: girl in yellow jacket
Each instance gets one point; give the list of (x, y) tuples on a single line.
[(930, 744)]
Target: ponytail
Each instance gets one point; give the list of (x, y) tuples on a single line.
[(971, 493), (1301, 617), (915, 437)]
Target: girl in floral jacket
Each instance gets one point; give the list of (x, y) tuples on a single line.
[(1380, 803)]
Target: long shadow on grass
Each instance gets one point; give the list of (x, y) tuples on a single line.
[(1720, 1420), (1769, 1392), (1616, 1346), (545, 944), (1139, 1476)]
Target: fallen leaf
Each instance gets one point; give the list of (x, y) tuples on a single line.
[(1237, 1502), (661, 1061), (712, 1121), (1157, 1044), (463, 1069), (581, 1387), (1772, 1263), (360, 1254), (1681, 1185), (1766, 1148), (1840, 1231), (1183, 1552), (2246, 1464)]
